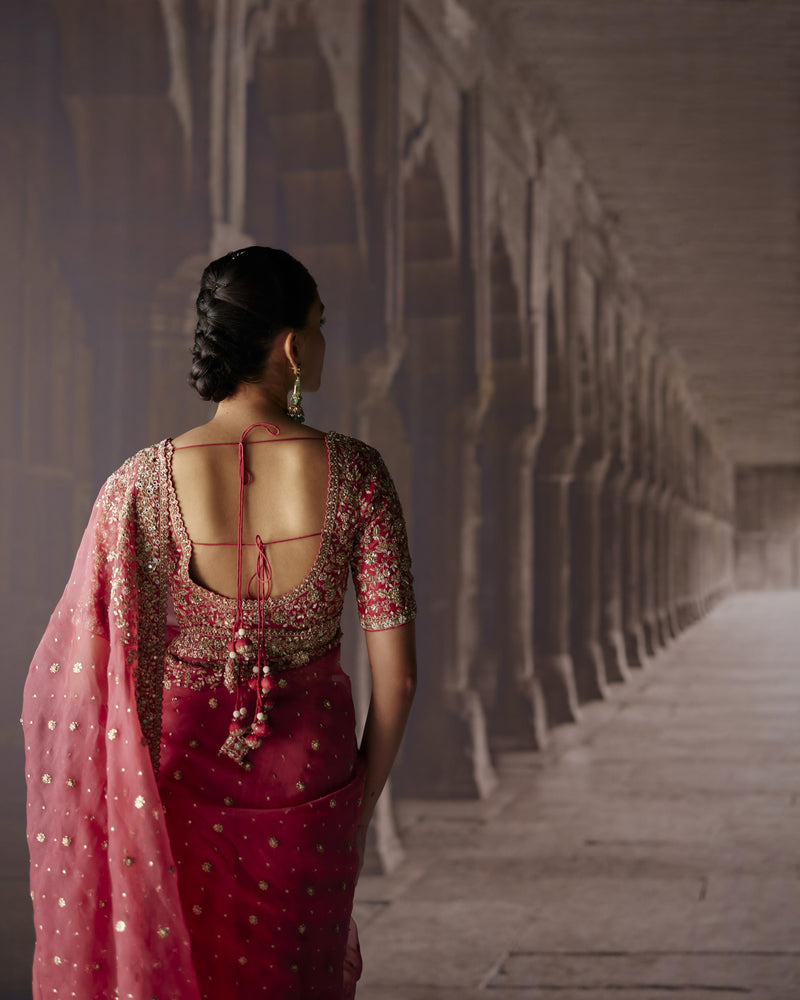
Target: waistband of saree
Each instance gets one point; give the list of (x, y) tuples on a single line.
[(205, 647)]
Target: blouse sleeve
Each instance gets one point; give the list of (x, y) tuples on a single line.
[(380, 561)]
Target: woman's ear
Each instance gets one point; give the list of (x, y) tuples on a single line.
[(290, 348)]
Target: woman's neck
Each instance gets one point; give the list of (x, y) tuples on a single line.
[(252, 404)]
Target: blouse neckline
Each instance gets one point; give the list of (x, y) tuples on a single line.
[(229, 604)]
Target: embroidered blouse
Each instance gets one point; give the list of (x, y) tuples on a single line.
[(363, 532)]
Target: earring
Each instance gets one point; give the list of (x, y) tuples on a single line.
[(295, 407)]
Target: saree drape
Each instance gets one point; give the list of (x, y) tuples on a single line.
[(160, 869)]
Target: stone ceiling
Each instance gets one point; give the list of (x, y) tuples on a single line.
[(686, 115)]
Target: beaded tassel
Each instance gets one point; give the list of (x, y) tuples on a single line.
[(243, 737)]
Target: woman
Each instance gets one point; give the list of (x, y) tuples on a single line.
[(198, 806)]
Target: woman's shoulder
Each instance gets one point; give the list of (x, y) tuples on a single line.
[(143, 465), (357, 453)]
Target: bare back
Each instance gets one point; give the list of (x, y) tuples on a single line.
[(284, 504)]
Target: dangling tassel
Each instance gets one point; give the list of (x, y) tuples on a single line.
[(242, 738), (295, 407), (240, 651), (235, 745)]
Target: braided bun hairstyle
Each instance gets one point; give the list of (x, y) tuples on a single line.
[(246, 298)]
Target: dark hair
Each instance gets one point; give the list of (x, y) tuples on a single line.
[(246, 298)]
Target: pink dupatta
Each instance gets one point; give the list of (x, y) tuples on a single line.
[(106, 906)]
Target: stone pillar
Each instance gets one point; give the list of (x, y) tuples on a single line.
[(658, 502), (552, 607), (587, 651), (553, 476), (612, 638), (615, 431), (511, 359), (648, 567), (647, 553), (516, 714), (635, 486), (584, 312), (663, 620), (631, 573), (446, 753)]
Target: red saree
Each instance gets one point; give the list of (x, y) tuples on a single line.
[(164, 865)]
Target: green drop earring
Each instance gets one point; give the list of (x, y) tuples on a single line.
[(295, 407)]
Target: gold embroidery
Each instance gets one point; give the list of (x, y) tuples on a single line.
[(363, 523)]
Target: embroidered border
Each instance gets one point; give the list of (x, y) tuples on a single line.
[(152, 527)]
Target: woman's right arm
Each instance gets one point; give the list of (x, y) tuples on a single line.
[(393, 663)]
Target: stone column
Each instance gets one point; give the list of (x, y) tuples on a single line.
[(669, 621), (587, 651), (612, 638), (674, 514), (663, 591), (446, 753), (614, 425), (515, 713), (553, 477), (635, 486), (659, 502), (552, 607), (649, 617), (648, 443), (631, 573)]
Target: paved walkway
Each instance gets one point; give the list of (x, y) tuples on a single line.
[(653, 852)]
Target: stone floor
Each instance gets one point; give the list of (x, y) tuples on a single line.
[(651, 852)]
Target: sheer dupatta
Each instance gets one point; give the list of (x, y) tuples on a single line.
[(107, 911)]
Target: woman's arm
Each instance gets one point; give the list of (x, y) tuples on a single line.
[(393, 662)]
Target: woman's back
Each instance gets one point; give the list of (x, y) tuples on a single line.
[(287, 480), (197, 714)]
